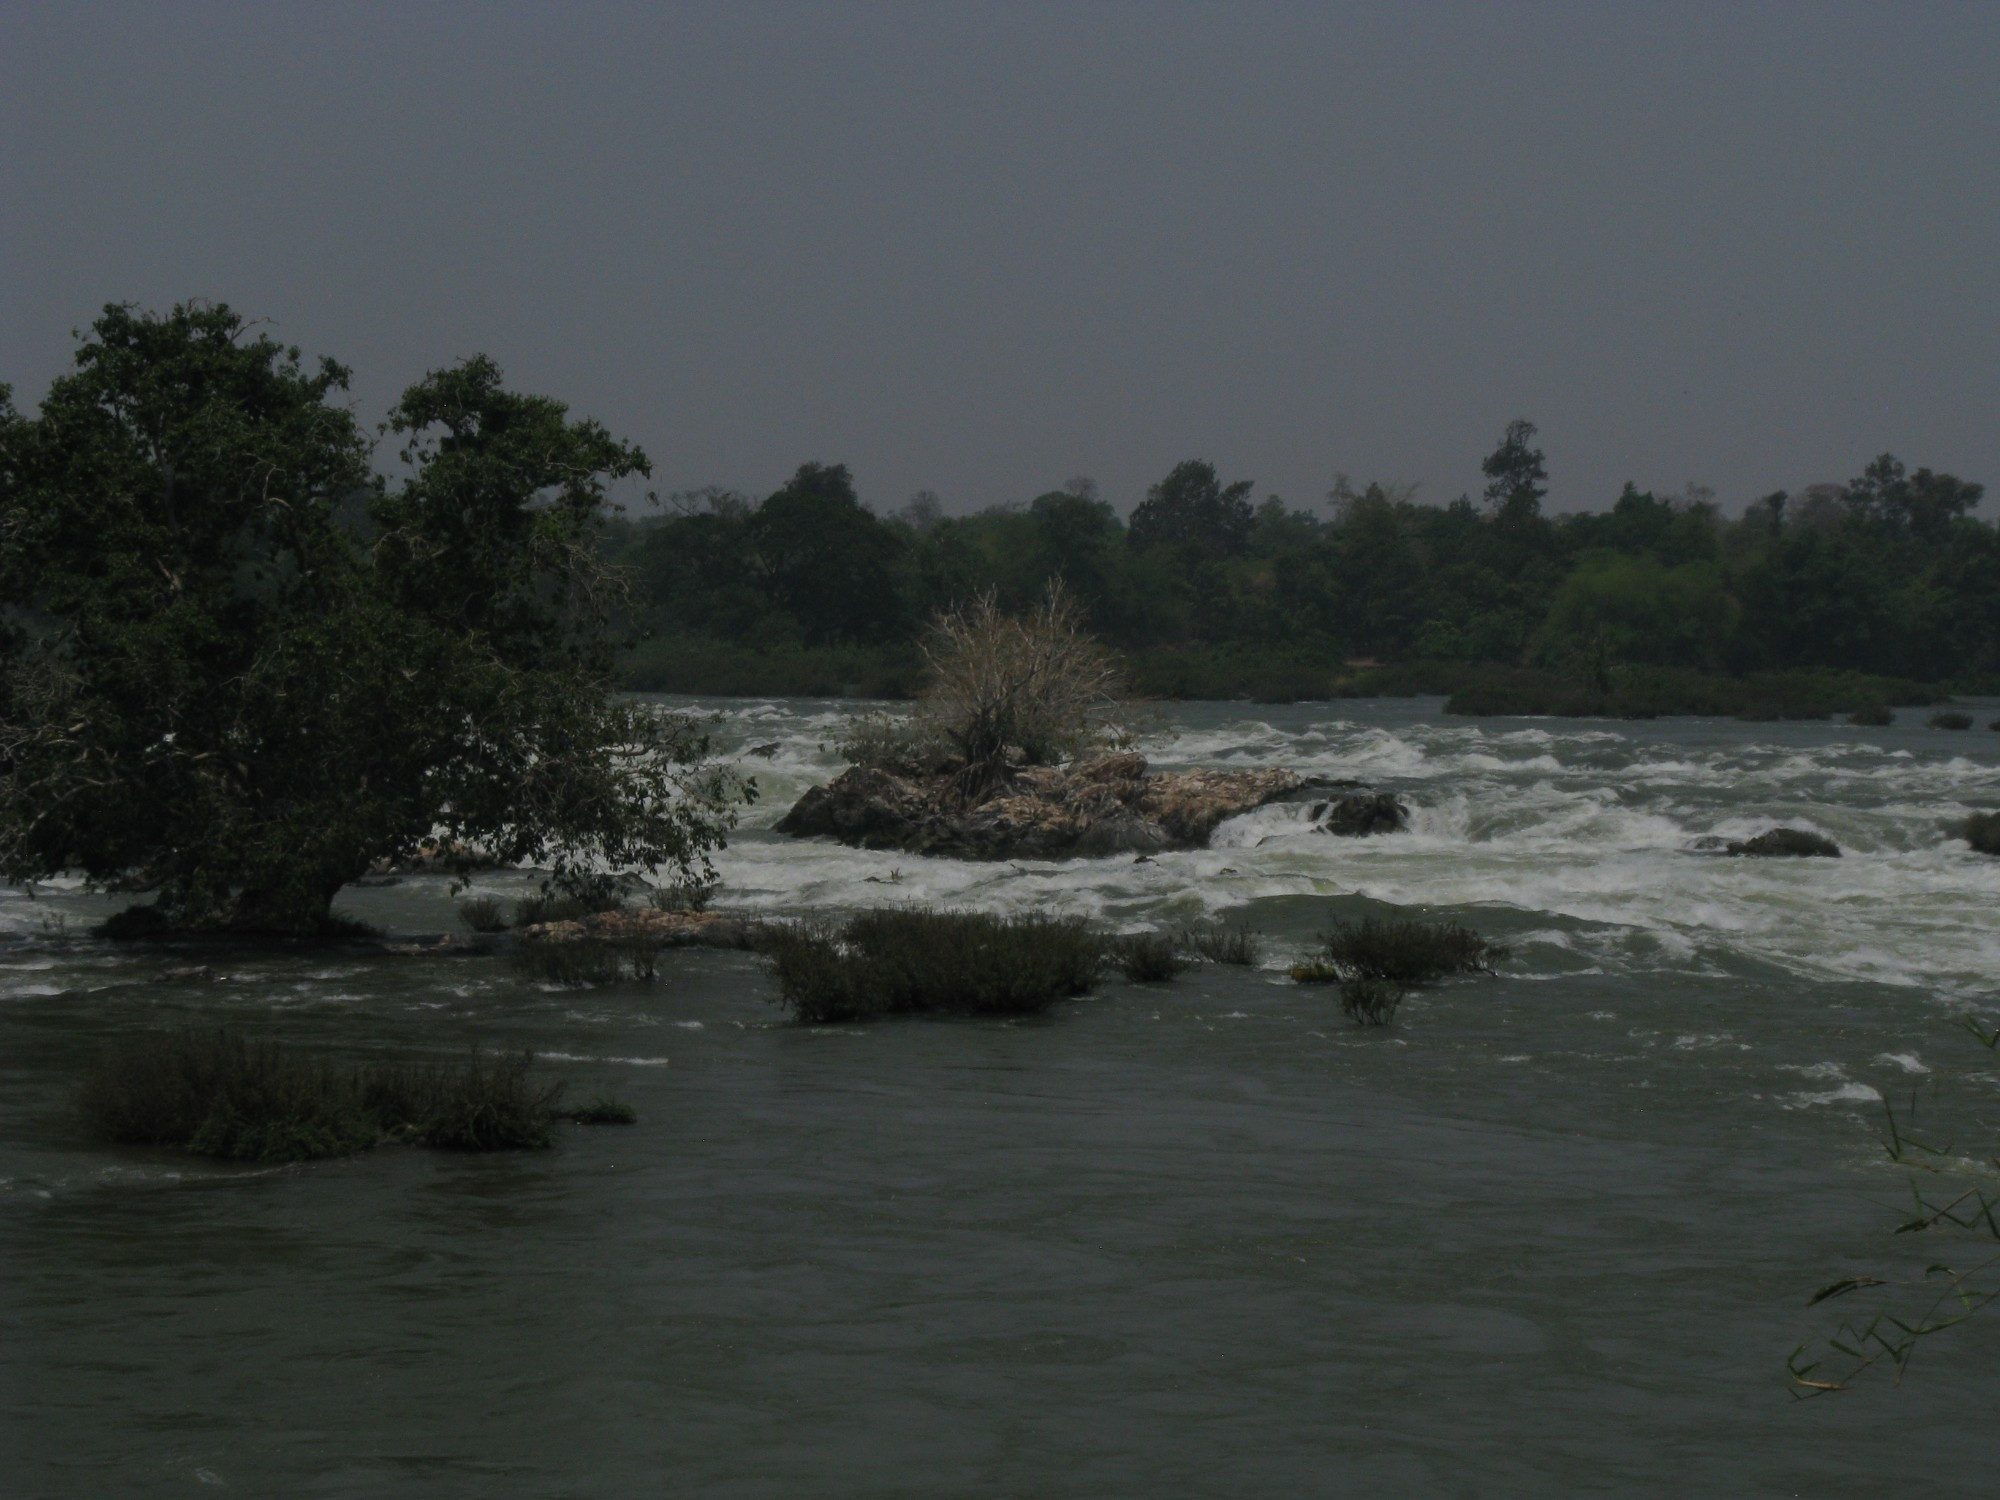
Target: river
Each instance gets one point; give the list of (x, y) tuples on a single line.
[(1550, 1233)]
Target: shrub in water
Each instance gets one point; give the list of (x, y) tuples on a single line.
[(1402, 952), (480, 1105), (483, 914), (905, 960), (218, 1094), (532, 911), (1147, 957), (1951, 721), (1370, 1002), (584, 960), (1874, 716), (1221, 945)]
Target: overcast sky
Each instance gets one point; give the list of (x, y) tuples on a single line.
[(981, 249)]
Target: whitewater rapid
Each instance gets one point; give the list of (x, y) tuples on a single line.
[(1590, 823)]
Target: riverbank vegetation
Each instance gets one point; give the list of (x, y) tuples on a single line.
[(218, 1093), (239, 666), (1835, 598)]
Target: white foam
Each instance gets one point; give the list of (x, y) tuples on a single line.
[(1847, 1093), (1585, 825)]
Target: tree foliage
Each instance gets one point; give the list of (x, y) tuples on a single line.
[(240, 667), (1892, 572)]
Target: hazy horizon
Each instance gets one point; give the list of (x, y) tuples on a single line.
[(981, 250)]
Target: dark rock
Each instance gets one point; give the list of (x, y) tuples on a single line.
[(1360, 814), (135, 924), (1786, 842), (1112, 804), (1982, 831)]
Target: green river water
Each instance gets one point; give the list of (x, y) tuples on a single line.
[(1550, 1234)]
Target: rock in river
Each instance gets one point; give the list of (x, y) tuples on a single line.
[(1786, 841), (1110, 805), (1359, 814)]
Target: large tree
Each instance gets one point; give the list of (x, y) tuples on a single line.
[(239, 668), (1517, 476), (1193, 509), (827, 561)]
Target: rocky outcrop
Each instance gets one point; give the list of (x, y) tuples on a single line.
[(1786, 842), (1113, 804), (1359, 814)]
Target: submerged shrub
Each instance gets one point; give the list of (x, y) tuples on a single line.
[(1951, 721), (483, 914), (479, 1105), (1147, 957), (899, 961), (584, 960), (1874, 716), (1221, 945), (1370, 1002), (1402, 952), (219, 1094)]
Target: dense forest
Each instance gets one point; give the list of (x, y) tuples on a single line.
[(1214, 592)]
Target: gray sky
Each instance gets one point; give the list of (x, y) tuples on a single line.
[(981, 249)]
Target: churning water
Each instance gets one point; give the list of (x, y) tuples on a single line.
[(1551, 1233)]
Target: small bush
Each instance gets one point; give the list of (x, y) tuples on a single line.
[(584, 960), (1951, 721), (1370, 1002), (218, 1094), (906, 960), (478, 1106), (683, 895), (215, 1093), (1874, 716), (483, 914), (1402, 952), (1222, 945), (1147, 957), (1982, 831)]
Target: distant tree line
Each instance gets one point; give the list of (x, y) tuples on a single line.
[(1889, 573)]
